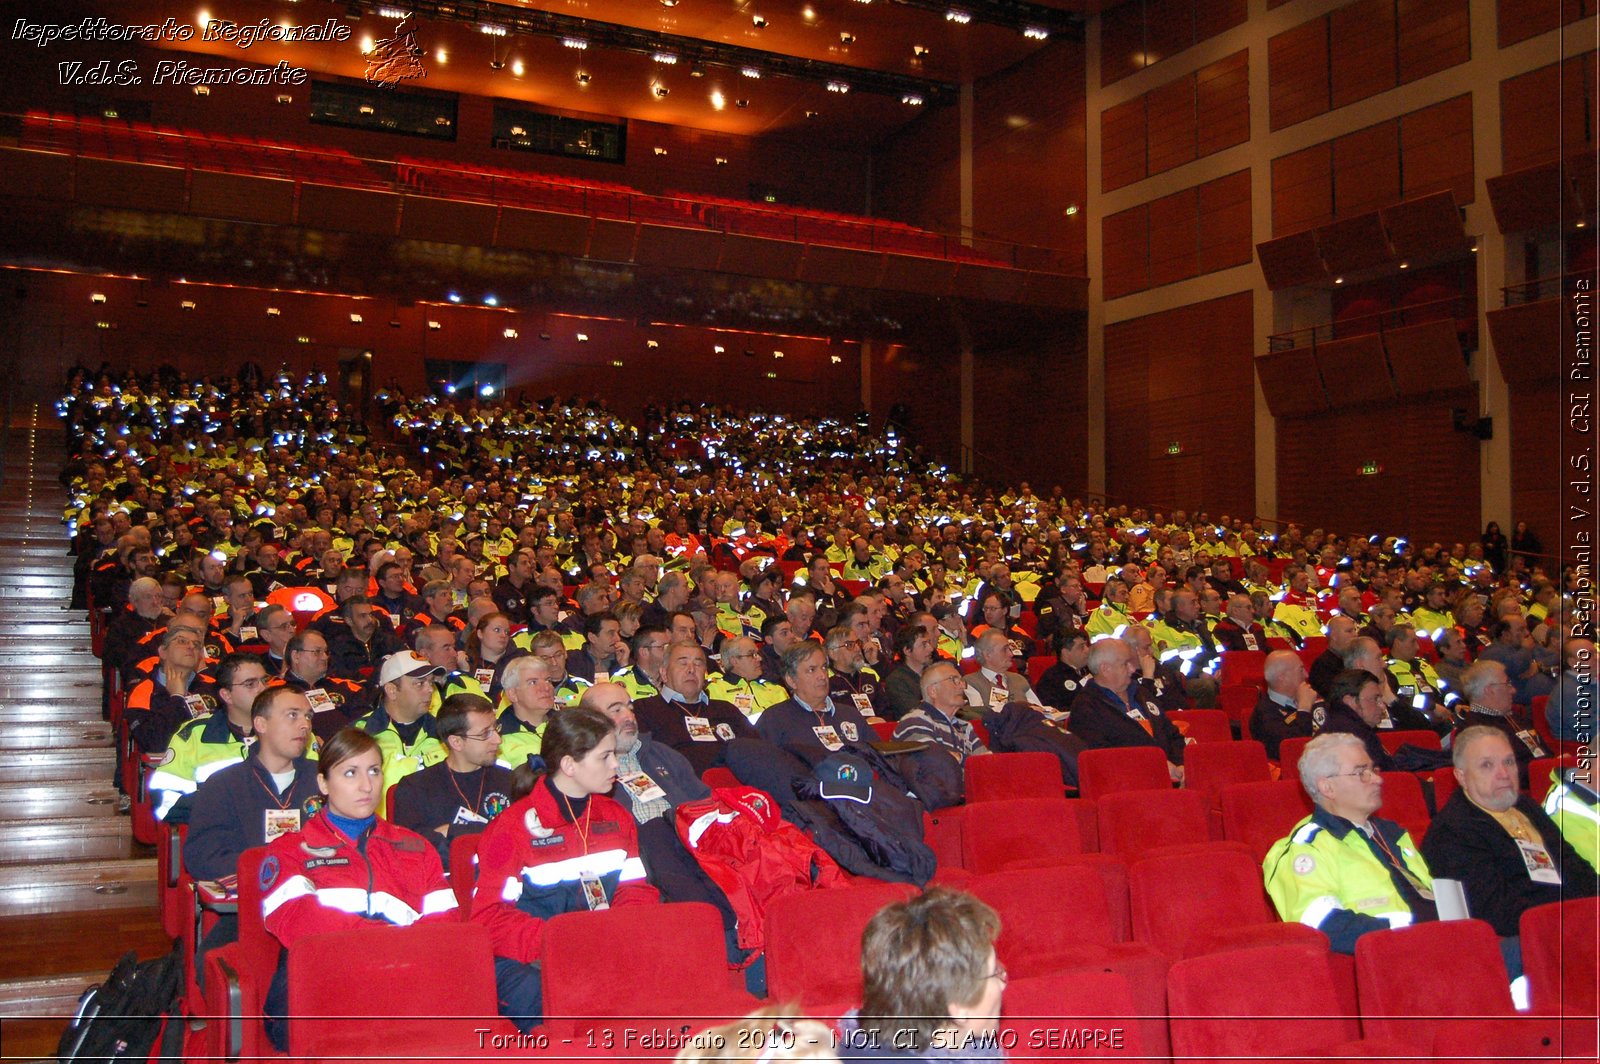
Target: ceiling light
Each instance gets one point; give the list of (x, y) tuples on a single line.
[(660, 150), (912, 99), (366, 109), (486, 390), (1405, 265), (393, 12), (366, 44), (187, 304), (202, 90), (812, 114), (920, 51), (441, 120), (741, 104), (356, 319), (617, 362), (1338, 280), (718, 101), (583, 338), (838, 86), (102, 325), (669, 3), (721, 161), (1072, 208), (717, 349), (273, 312), (442, 56), (772, 376), (491, 30), (518, 131), (434, 325), (665, 57), (574, 42), (751, 72), (491, 300), (777, 354), (302, 339), (284, 97), (651, 344), (97, 297), (847, 38), (808, 13), (204, 18), (517, 68), (661, 92), (959, 17), (835, 359), (759, 22), (583, 77), (1036, 33), (509, 334)]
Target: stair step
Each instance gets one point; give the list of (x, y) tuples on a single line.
[(64, 765), (75, 712), (35, 842), (47, 996), (128, 883), (23, 801), (54, 735)]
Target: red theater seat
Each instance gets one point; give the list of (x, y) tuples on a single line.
[(1023, 831), (1400, 977), (1001, 776), (814, 944), (1559, 956), (1259, 814), (1117, 769), (1186, 907)]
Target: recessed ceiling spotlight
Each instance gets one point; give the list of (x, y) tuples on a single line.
[(751, 72), (583, 77), (758, 21), (574, 42), (741, 103), (721, 161), (838, 86), (847, 38), (1072, 208), (920, 51), (912, 100), (661, 92), (660, 150), (958, 17), (517, 68), (1036, 33), (665, 57), (812, 114)]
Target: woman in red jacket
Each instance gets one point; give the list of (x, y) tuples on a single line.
[(345, 867), (563, 848)]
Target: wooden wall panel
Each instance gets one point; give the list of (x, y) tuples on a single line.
[(1140, 33), (1170, 122), (1297, 73), (1174, 238), (1122, 144), (1522, 19), (1302, 189), (1045, 450), (1124, 238), (1366, 169), (1545, 112), (1198, 394), (1535, 439), (1432, 35), (1361, 50), (1122, 49), (1429, 484), (1224, 208), (1436, 145), (1222, 104)]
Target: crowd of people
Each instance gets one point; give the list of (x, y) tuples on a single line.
[(541, 623)]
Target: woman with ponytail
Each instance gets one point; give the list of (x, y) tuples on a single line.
[(562, 847)]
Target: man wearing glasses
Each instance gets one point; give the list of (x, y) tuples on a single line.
[(210, 743), (335, 702), (461, 794), (1490, 696), (1343, 870), (275, 625)]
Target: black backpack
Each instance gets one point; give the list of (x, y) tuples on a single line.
[(135, 1014)]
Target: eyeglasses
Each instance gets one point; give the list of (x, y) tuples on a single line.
[(482, 737), (1364, 773), (259, 681), (999, 973)]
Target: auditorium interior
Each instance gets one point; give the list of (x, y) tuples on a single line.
[(1318, 271)]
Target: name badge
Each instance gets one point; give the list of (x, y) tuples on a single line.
[(279, 822), (594, 892), (850, 731), (1250, 642), (394, 620), (602, 676), (1016, 647), (248, 633), (828, 737), (700, 729), (862, 703), (197, 705), (485, 677), (641, 787), (467, 816), (997, 695), (744, 702), (1531, 741), (320, 700), (1537, 859), (274, 586)]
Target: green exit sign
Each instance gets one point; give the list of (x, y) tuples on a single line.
[(1174, 447), (1371, 469)]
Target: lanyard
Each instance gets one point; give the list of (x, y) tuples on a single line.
[(483, 778), (583, 828), (1399, 865), (281, 803)]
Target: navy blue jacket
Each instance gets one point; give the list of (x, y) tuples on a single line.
[(228, 814)]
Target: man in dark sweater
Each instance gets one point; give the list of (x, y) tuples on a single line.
[(461, 794), (1506, 851)]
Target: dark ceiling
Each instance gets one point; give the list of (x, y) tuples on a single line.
[(623, 81)]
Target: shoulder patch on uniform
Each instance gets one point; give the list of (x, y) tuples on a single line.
[(1319, 717), (312, 806), (724, 732), (169, 757), (1306, 833), (530, 820), (269, 872), (1305, 864)]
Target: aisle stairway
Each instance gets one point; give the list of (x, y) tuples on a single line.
[(75, 889)]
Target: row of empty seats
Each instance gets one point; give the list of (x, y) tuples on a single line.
[(95, 136)]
